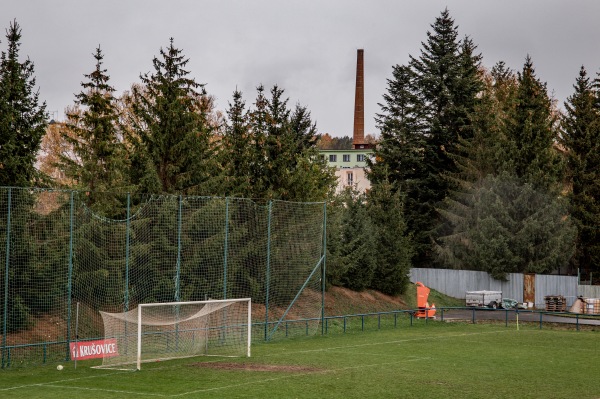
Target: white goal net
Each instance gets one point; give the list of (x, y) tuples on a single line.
[(162, 331)]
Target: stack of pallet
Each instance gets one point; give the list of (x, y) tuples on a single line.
[(591, 306), (555, 303)]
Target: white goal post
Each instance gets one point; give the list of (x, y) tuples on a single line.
[(172, 330)]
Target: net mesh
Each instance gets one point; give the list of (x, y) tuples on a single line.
[(170, 331), (57, 252)]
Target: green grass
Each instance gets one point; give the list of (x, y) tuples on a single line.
[(426, 360)]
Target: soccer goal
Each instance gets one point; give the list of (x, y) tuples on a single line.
[(172, 330)]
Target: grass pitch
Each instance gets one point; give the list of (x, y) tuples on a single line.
[(426, 360)]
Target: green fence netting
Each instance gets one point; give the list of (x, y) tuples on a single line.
[(62, 263)]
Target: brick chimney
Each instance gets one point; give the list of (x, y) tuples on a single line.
[(358, 137)]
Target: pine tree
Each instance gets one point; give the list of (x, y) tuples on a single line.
[(171, 139), (400, 152), (259, 119), (311, 178), (284, 161), (279, 146), (468, 87), (425, 114), (581, 140), (477, 157), (503, 217), (484, 153), (22, 126), (96, 162), (531, 133), (504, 225), (303, 129), (336, 265), (393, 246), (235, 149), (22, 117), (358, 251)]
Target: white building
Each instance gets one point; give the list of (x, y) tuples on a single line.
[(351, 164), (350, 167)]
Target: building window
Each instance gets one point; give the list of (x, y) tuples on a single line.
[(332, 158), (350, 179), (360, 157), (346, 157), (322, 157)]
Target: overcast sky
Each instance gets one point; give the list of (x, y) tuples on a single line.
[(307, 47)]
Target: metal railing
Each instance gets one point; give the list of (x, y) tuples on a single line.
[(387, 319)]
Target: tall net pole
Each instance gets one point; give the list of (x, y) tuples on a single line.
[(178, 266), (6, 280), (268, 270), (70, 278), (128, 228), (225, 248), (323, 265)]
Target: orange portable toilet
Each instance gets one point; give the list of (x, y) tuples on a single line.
[(424, 309)]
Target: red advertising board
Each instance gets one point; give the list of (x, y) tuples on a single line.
[(94, 349)]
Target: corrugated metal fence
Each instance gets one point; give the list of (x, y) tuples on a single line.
[(589, 291), (456, 283)]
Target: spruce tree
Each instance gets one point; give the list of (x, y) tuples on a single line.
[(259, 119), (311, 178), (505, 225), (505, 216), (478, 157), (171, 135), (22, 126), (531, 133), (484, 153), (580, 137), (303, 129), (284, 161), (468, 88), (279, 146), (235, 149), (22, 117), (393, 246), (402, 139), (96, 162), (426, 112), (358, 251), (336, 265)]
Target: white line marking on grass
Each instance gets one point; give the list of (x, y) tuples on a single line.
[(237, 385), (400, 341), (266, 380), (106, 390), (60, 381), (57, 384)]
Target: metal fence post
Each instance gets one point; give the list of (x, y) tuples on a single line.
[(70, 278), (268, 270), (225, 248), (323, 266), (127, 253), (178, 263), (5, 321)]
